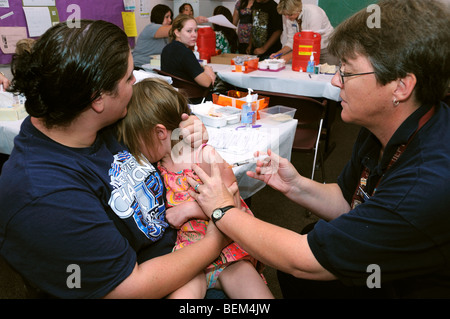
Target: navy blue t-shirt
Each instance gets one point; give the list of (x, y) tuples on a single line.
[(404, 226), (95, 208)]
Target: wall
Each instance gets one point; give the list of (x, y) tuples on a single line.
[(338, 10), (109, 10)]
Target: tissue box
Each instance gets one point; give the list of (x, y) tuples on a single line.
[(13, 113), (277, 113)]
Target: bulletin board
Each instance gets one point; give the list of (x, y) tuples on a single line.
[(108, 10), (339, 10)]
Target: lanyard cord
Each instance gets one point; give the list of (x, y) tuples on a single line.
[(360, 194)]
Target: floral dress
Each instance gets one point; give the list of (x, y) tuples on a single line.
[(245, 23), (193, 230)]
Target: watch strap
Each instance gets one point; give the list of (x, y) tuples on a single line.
[(224, 210)]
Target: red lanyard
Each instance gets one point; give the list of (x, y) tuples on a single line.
[(361, 195)]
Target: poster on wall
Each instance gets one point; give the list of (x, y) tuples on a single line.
[(9, 37), (39, 3), (40, 19), (144, 9), (14, 15)]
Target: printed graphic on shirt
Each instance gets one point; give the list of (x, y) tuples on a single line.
[(138, 194), (260, 28)]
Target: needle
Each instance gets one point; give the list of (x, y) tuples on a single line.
[(250, 160)]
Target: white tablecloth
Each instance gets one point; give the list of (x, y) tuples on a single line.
[(8, 130), (283, 81), (239, 145)]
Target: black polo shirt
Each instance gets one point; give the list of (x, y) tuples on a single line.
[(403, 228)]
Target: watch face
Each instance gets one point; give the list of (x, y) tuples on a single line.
[(216, 213)]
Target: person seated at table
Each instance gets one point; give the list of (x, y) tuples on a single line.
[(178, 59), (226, 38), (298, 17), (150, 130), (155, 35), (267, 27)]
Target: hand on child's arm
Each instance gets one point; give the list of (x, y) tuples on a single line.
[(180, 214)]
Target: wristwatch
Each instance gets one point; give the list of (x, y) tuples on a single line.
[(219, 212)]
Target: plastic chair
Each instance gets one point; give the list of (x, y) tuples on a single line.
[(310, 115), (191, 90)]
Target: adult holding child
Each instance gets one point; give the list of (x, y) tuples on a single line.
[(384, 225), (71, 194)]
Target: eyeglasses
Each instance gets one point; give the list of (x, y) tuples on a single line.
[(345, 74)]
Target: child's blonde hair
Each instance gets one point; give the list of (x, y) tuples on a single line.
[(154, 101)]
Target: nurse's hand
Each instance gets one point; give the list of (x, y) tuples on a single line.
[(212, 192)]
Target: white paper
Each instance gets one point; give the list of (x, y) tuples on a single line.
[(221, 20), (144, 9), (6, 15), (39, 3), (38, 20), (4, 4), (129, 5)]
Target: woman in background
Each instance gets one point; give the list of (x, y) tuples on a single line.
[(226, 38), (178, 59), (298, 17), (242, 18), (186, 8), (154, 37)]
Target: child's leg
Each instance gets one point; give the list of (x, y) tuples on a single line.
[(194, 289), (240, 280)]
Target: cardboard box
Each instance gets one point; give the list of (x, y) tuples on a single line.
[(224, 58)]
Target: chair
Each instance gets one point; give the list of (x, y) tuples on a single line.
[(191, 90), (310, 115)]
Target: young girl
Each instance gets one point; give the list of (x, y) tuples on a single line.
[(150, 131)]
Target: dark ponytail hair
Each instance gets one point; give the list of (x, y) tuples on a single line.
[(230, 34), (68, 68), (158, 13)]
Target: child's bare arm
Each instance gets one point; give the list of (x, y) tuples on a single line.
[(180, 214)]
